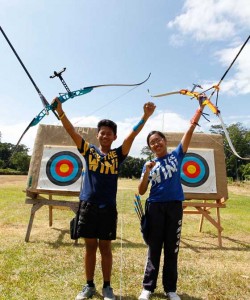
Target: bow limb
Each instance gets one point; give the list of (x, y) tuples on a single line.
[(120, 84), (64, 97), (224, 75), (182, 92), (32, 123), (163, 95), (196, 95), (229, 140)]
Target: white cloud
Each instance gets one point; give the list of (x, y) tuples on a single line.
[(240, 82), (224, 20), (212, 19)]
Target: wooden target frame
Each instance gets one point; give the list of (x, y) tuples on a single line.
[(202, 202), (212, 143), (50, 136), (59, 166)]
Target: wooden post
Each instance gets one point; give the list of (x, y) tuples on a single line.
[(34, 208)]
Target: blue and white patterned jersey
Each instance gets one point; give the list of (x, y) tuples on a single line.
[(165, 177)]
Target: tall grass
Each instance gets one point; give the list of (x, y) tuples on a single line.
[(50, 266)]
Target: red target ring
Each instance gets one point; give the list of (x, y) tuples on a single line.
[(191, 169), (64, 167)]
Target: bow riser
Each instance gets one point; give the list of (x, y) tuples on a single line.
[(212, 107), (41, 115), (64, 97)]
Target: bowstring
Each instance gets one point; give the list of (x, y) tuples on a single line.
[(121, 249), (106, 104)]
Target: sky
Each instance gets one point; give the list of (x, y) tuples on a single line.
[(180, 43)]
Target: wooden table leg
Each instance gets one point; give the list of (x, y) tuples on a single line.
[(34, 208), (50, 215)]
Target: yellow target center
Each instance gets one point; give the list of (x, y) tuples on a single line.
[(191, 169), (64, 168)]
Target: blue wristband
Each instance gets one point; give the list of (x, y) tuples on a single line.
[(135, 128)]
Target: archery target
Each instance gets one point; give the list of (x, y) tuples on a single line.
[(198, 171), (64, 168), (194, 170), (61, 169)]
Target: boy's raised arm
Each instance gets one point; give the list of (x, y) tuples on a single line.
[(148, 109), (77, 138)]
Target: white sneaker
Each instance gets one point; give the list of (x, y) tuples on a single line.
[(172, 296), (144, 295), (108, 293), (87, 292)]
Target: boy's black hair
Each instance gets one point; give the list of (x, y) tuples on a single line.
[(108, 123), (155, 132)]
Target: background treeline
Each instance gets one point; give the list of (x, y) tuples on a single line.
[(237, 169), (14, 162)]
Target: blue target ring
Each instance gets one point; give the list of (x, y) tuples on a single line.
[(194, 170), (64, 168)]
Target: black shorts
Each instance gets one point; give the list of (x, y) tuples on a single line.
[(97, 221)]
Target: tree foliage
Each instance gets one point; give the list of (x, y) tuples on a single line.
[(18, 161), (147, 152), (132, 167), (240, 137)]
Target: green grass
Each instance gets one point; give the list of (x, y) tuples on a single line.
[(50, 266)]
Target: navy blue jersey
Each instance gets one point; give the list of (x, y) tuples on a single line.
[(101, 174)]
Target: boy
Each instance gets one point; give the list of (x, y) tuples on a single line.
[(98, 214)]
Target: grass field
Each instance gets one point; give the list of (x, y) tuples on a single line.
[(50, 265)]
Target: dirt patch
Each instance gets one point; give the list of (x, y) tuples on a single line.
[(10, 180), (240, 188)]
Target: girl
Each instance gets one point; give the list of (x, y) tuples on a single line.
[(165, 212)]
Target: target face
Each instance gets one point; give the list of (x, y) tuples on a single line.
[(64, 168), (194, 170), (198, 174)]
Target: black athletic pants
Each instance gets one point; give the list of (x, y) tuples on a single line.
[(165, 221)]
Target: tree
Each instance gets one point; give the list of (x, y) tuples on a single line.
[(5, 151), (147, 152), (245, 171), (1, 163), (18, 161), (132, 167), (240, 137)]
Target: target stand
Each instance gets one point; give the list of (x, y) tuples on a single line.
[(56, 171), (203, 178)]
